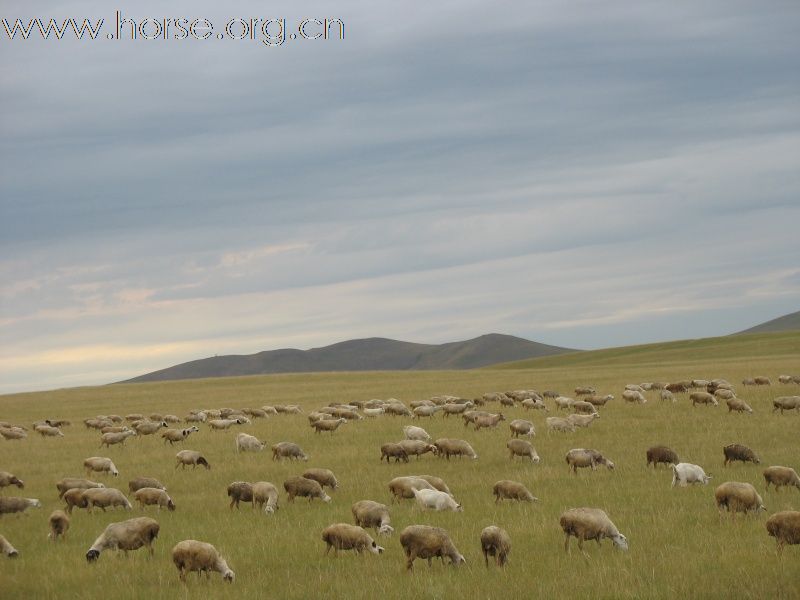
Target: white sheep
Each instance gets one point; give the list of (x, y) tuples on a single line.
[(7, 549), (248, 443), (685, 473), (435, 500), (125, 535), (100, 464), (191, 555), (416, 433), (265, 494)]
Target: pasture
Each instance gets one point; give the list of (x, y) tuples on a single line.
[(679, 545)]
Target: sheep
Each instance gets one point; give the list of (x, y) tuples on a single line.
[(392, 450), (256, 413), (686, 473), (633, 387), (739, 452), (223, 424), (153, 496), (7, 549), (422, 541), (191, 555), (172, 419), (534, 404), (425, 411), (488, 421), (738, 405), (416, 447), (70, 483), (190, 457), (783, 403), (403, 487), (435, 500), (564, 403), (736, 496), (58, 422), (584, 391), (74, 497), (590, 524), (447, 447), (15, 504), (100, 464), (416, 433), (177, 435), (471, 415), (666, 395), (300, 486), (156, 417), (248, 443), (506, 489), (110, 438), (497, 543), (784, 526), (125, 535), (48, 431), (8, 479), (583, 457), (240, 491), (115, 429), (456, 409), (583, 420), (584, 408), (436, 482), (397, 409), (634, 396), (517, 447), (785, 379), (762, 380), (149, 427), (288, 450), (552, 394), (493, 396), (723, 394), (134, 417), (522, 427), (703, 398), (599, 400), (559, 424), (198, 417), (343, 536), (677, 387), (265, 495), (14, 433), (105, 497), (324, 477), (661, 454), (328, 425), (59, 524), (781, 476), (375, 515)]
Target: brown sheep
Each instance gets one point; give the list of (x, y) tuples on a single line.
[(512, 490), (288, 450), (59, 524), (436, 482), (300, 486), (488, 421), (7, 549), (403, 487), (145, 482), (582, 457), (416, 447), (784, 526), (240, 491), (104, 498), (324, 477), (392, 450), (703, 398), (738, 405), (452, 447), (375, 515), (7, 479), (781, 476), (177, 435), (191, 555), (153, 496), (343, 536), (126, 535), (422, 541), (661, 455), (521, 427), (736, 496), (739, 452), (74, 498), (590, 524), (15, 504), (783, 403), (497, 543), (517, 447)]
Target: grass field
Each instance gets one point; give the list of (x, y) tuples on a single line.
[(679, 546)]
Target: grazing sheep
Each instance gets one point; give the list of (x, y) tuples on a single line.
[(403, 487), (564, 403), (583, 457), (100, 464), (172, 419), (324, 477), (425, 411), (785, 379), (686, 473), (703, 398), (471, 415), (177, 435), (422, 541), (7, 479), (559, 424), (59, 524), (736, 496), (115, 429), (435, 500), (585, 391), (343, 536), (15, 433), (397, 409), (437, 482), (677, 388), (125, 535), (392, 450), (723, 394), (416, 447), (634, 396), (61, 422), (488, 421), (223, 424), (493, 396), (248, 443), (634, 387), (453, 447), (148, 427), (762, 380), (590, 524), (288, 450), (111, 438), (517, 447), (74, 498), (495, 542), (240, 491), (456, 409), (739, 452), (584, 408), (784, 526), (583, 420), (781, 476), (7, 549), (738, 405), (48, 431), (105, 497), (15, 504), (666, 395), (374, 412), (375, 515), (300, 486), (783, 403), (327, 425), (534, 404), (134, 417), (599, 400), (153, 496), (506, 489), (191, 555), (416, 433), (199, 417), (190, 457), (551, 394), (522, 427), (265, 495), (70, 483), (661, 454)]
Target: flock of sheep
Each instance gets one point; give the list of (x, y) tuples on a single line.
[(429, 492)]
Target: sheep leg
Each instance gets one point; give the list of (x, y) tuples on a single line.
[(566, 543)]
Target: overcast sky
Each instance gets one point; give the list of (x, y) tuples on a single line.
[(585, 174)]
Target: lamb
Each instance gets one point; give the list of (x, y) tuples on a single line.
[(416, 433), (488, 421), (783, 403), (105, 497), (522, 427), (7, 549), (506, 489), (534, 404), (736, 496), (288, 450), (149, 427), (324, 477), (784, 526), (739, 452), (497, 543), (248, 443), (125, 535), (74, 497), (686, 473), (153, 496), (15, 504), (583, 457), (559, 424), (48, 431), (59, 524), (781, 476), (661, 454), (328, 425), (190, 457), (367, 513), (435, 500), (343, 536), (300, 486), (738, 405), (8, 479), (177, 435), (447, 447), (191, 555), (584, 408), (590, 524), (403, 487), (416, 447), (583, 420), (517, 447), (100, 464), (396, 451), (265, 495), (240, 491), (634, 396), (110, 438), (703, 398), (422, 541)]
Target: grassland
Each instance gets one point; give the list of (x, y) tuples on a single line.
[(679, 546)]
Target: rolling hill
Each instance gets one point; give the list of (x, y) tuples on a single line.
[(790, 322), (371, 354)]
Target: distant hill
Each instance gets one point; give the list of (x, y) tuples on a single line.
[(371, 354), (790, 322)]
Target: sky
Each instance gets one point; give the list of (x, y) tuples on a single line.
[(581, 174)]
